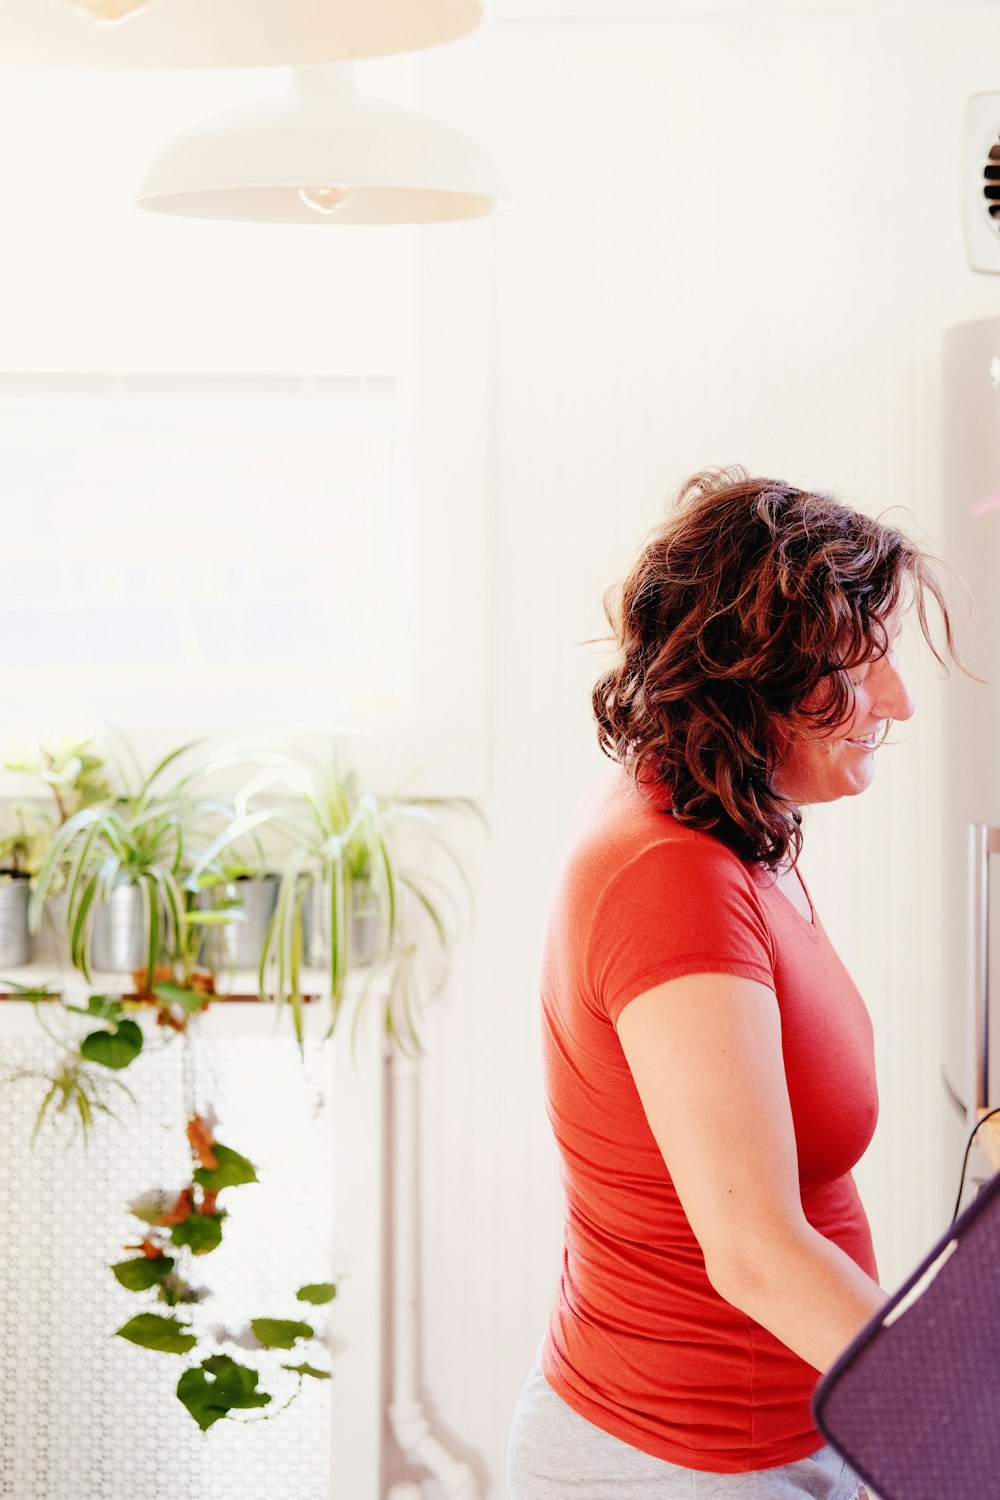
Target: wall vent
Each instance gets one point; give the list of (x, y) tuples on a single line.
[(981, 181)]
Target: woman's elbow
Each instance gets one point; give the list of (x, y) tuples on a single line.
[(735, 1276), (746, 1269)]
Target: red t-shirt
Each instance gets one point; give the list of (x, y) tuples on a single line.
[(639, 1341)]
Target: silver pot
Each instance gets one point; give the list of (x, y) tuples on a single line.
[(51, 944), (15, 943), (367, 929), (118, 940), (239, 944)]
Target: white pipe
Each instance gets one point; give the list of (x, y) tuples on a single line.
[(409, 1422)]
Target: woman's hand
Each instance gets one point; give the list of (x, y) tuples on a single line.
[(705, 1054)]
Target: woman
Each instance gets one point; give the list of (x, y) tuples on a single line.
[(709, 1063)]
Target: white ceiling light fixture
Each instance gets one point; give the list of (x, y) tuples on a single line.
[(321, 154), (109, 12), (223, 33)]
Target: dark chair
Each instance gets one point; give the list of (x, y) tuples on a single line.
[(913, 1403)]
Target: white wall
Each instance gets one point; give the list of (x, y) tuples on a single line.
[(736, 238)]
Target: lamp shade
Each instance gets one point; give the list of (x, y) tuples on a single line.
[(321, 154), (222, 33)]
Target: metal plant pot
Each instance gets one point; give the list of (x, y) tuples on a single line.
[(367, 927), (238, 945), (51, 944), (118, 940), (15, 943)]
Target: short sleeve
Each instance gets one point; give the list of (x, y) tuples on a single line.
[(677, 907)]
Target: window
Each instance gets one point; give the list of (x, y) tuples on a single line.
[(209, 549)]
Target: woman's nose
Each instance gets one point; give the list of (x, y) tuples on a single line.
[(893, 699)]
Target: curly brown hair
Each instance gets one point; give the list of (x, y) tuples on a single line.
[(737, 628)]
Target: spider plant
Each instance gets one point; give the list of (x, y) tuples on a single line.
[(76, 1088), (355, 857), (150, 838), (75, 1091)]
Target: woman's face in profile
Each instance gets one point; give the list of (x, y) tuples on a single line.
[(840, 762)]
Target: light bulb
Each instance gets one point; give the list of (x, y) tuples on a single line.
[(324, 200), (109, 12)]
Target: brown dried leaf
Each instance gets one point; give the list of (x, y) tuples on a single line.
[(202, 1140), (183, 1208)]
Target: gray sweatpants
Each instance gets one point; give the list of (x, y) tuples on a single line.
[(555, 1454)]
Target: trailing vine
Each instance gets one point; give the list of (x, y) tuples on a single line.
[(179, 1227)]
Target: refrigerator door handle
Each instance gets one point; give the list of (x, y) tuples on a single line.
[(983, 842)]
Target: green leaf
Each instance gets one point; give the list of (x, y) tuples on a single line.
[(175, 994), (201, 1233), (174, 1289), (317, 1292), (151, 1206), (308, 1370), (21, 764), (113, 1049), (218, 1364), (151, 908), (232, 1171), (217, 1387), (153, 1332), (222, 916), (141, 1272), (280, 1333), (105, 1007)]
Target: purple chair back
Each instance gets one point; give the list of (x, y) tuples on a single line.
[(913, 1403)]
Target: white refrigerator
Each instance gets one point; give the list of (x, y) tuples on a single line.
[(971, 873)]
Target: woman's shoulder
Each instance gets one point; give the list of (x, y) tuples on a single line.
[(644, 898), (629, 837)]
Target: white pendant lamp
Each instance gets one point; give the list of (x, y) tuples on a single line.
[(222, 33), (321, 154)]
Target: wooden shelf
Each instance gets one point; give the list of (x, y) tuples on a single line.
[(240, 1011), (240, 984), (247, 997)]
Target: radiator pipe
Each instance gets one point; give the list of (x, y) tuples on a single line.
[(407, 1418)]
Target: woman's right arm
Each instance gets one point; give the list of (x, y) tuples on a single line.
[(705, 1054)]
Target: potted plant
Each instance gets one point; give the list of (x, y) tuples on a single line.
[(124, 868), (367, 881), (21, 852), (249, 897), (73, 775)]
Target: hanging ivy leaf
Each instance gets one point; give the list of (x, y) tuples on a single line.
[(153, 1332), (150, 1207), (142, 1272), (233, 1169), (113, 1049), (174, 994), (280, 1333), (107, 1007), (218, 1386), (309, 1370), (317, 1292), (200, 1232)]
